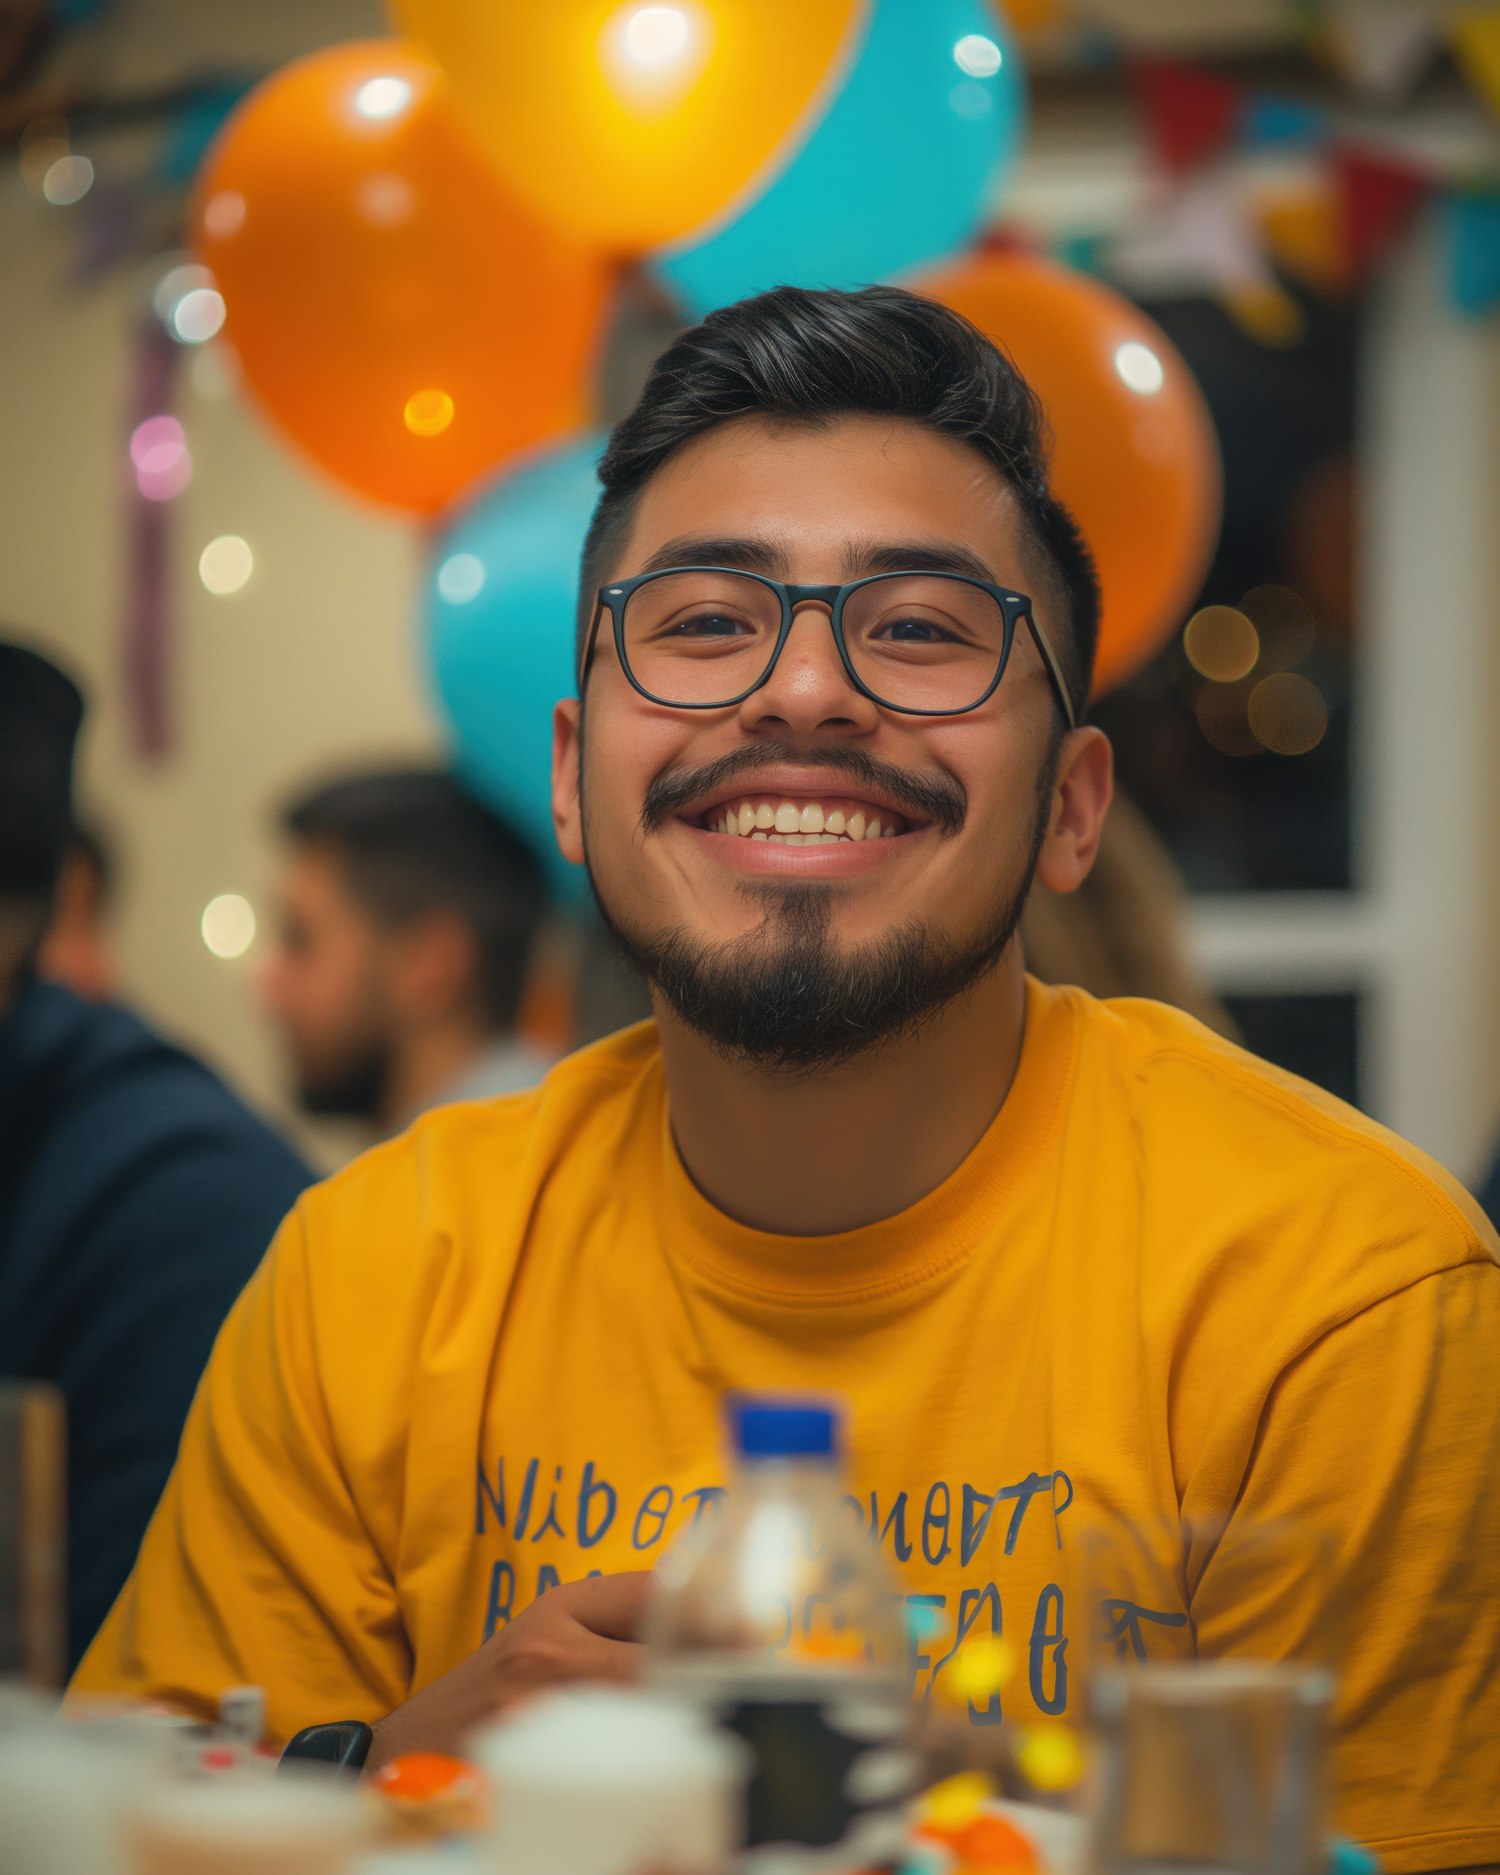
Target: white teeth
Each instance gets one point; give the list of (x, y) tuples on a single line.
[(798, 824)]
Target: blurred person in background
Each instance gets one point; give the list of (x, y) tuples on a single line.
[(1124, 931), (136, 1192), (409, 916), (77, 949)]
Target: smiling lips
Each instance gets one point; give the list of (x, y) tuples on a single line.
[(802, 823)]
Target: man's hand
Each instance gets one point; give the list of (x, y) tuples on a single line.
[(578, 1631)]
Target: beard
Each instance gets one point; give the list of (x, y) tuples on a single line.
[(354, 1085), (786, 998)]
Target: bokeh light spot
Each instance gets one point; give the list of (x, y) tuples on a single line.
[(385, 200), (977, 55), (1220, 710), (461, 578), (1221, 643), (225, 564), (428, 413), (228, 925), (68, 180), (1139, 367), (198, 315), (224, 214), (1285, 622), (1050, 1757), (382, 98), (970, 100), (1287, 714), (159, 454), (656, 36)]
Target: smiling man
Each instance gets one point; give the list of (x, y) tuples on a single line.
[(1063, 1261)]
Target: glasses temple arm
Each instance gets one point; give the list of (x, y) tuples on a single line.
[(1054, 671)]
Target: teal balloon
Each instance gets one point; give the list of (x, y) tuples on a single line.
[(899, 172), (500, 609)]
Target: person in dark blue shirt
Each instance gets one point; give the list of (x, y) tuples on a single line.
[(137, 1194)]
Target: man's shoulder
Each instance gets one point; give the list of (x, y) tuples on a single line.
[(112, 1099), (1222, 1133)]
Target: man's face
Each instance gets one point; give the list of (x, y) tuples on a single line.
[(712, 914), (326, 990)]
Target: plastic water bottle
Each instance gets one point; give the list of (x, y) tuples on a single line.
[(776, 1616)]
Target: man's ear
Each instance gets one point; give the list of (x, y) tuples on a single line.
[(1080, 799), (433, 966), (567, 757)]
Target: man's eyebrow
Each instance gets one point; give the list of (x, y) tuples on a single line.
[(748, 554), (755, 554), (915, 556)]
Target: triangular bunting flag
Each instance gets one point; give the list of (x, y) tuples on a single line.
[(1381, 46), (1475, 34), (1199, 238), (1272, 122), (1191, 114), (1378, 196), (1472, 226), (1300, 227)]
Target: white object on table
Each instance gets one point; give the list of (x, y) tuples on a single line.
[(604, 1781)]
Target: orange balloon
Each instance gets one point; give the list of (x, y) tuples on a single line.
[(398, 316), (1134, 452), (631, 124)]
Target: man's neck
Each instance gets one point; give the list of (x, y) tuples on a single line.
[(428, 1067), (838, 1151)]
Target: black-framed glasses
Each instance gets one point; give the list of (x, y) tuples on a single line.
[(926, 644)]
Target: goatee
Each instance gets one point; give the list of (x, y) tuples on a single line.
[(786, 999)]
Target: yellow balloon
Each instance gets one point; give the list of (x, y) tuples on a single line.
[(628, 124)]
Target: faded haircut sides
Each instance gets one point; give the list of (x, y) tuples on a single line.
[(810, 357)]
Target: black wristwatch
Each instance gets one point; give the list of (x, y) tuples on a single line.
[(342, 1745)]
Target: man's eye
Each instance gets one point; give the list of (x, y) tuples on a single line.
[(709, 625), (914, 631)]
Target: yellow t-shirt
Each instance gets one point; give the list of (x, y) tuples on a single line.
[(1168, 1284)]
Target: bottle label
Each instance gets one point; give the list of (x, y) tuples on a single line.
[(830, 1778)]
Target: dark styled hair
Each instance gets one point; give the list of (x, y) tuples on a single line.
[(412, 842), (814, 356)]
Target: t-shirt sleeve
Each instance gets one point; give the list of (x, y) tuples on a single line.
[(257, 1567), (1386, 1434)]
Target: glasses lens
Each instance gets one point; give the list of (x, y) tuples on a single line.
[(700, 637), (924, 642)]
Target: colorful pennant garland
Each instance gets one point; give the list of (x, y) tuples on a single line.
[(1334, 233)]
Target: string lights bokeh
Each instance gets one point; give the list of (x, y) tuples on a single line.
[(225, 565), (228, 925), (159, 455), (1252, 699)]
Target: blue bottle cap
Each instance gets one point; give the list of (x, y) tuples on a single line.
[(772, 1428)]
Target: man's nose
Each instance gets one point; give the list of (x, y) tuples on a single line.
[(810, 690)]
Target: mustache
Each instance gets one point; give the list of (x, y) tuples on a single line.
[(927, 797)]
